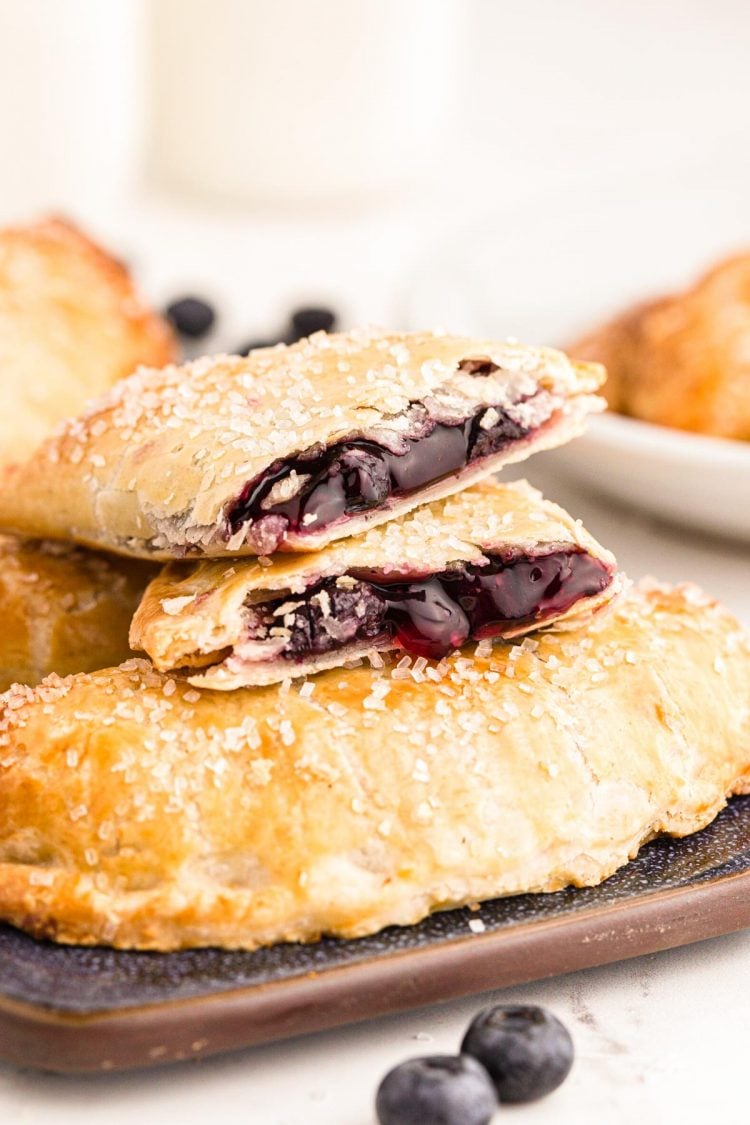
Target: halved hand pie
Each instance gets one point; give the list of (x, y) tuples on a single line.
[(494, 561), (293, 447), (63, 609), (140, 812)]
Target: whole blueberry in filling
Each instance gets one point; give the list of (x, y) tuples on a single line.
[(434, 615), (356, 476), (332, 616)]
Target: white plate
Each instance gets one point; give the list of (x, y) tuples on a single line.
[(684, 478), (545, 270)]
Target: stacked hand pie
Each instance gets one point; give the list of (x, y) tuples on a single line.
[(71, 325), (379, 683)]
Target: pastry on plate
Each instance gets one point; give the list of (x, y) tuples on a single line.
[(290, 448), (63, 609), (141, 812), (684, 360), (496, 560), (71, 324)]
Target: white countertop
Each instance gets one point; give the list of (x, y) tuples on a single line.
[(660, 1038)]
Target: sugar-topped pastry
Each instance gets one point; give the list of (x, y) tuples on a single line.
[(71, 324), (290, 448), (683, 360), (64, 609), (139, 811), (496, 560)]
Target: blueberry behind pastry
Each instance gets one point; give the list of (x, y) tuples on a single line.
[(254, 345), (191, 317), (302, 322), (305, 321)]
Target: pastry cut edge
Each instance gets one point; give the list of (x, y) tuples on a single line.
[(497, 560), (291, 448)]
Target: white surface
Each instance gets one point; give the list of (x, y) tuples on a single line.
[(552, 265), (659, 1039), (690, 479), (71, 104), (539, 97), (274, 120)]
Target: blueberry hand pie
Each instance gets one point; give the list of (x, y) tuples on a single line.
[(492, 561), (63, 609), (291, 448), (71, 324), (141, 812), (683, 360)]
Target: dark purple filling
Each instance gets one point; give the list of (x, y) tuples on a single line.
[(355, 476), (435, 615)]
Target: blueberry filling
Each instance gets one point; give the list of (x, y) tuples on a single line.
[(434, 615), (358, 475)]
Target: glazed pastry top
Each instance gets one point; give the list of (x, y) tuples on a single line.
[(683, 360), (191, 613), (71, 324), (154, 468), (139, 811)]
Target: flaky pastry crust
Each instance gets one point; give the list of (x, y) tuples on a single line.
[(155, 467), (71, 324), (193, 616), (63, 609), (684, 360), (140, 812)]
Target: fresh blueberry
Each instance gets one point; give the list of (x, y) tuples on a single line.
[(253, 345), (191, 316), (303, 322), (442, 1090), (526, 1050)]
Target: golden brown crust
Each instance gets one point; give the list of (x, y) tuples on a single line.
[(684, 360), (71, 324), (63, 609), (153, 469), (192, 613), (138, 811)]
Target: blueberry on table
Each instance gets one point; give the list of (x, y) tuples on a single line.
[(441, 1090), (191, 316), (526, 1050), (303, 322)]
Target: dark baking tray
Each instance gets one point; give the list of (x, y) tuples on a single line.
[(73, 1009)]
